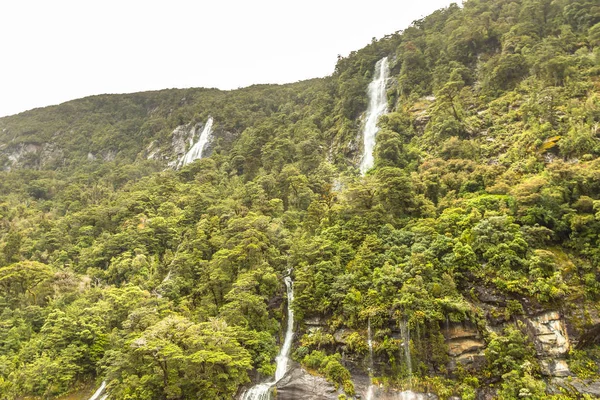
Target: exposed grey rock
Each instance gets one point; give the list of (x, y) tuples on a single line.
[(460, 346), (486, 393), (381, 393), (109, 155), (460, 330), (550, 334), (182, 137), (341, 335), (297, 383), (465, 345), (558, 368), (315, 321), (575, 386), (486, 295), (473, 361)]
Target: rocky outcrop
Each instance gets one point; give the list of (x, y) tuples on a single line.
[(465, 345), (297, 383), (182, 138), (30, 155), (341, 335), (381, 393), (575, 387), (549, 334)]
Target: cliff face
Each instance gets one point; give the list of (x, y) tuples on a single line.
[(464, 263)]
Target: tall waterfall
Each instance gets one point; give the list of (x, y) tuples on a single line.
[(377, 107), (262, 391), (370, 343), (195, 152)]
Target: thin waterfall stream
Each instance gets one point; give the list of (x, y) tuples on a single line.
[(262, 391), (99, 392), (405, 332), (373, 392), (377, 107), (370, 343)]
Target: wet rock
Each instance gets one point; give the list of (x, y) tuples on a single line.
[(486, 393), (472, 361), (549, 334), (575, 387), (558, 368), (381, 393), (486, 295), (551, 340), (457, 347), (297, 383), (465, 345), (460, 331), (422, 120), (315, 321), (181, 136), (341, 335)]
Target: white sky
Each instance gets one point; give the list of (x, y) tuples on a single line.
[(52, 51)]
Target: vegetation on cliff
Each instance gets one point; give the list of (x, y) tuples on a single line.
[(483, 207)]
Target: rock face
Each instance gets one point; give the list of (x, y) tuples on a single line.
[(575, 387), (382, 394), (181, 139), (465, 345), (297, 383), (549, 334), (30, 155)]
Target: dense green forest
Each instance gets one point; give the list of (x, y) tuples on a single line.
[(477, 231)]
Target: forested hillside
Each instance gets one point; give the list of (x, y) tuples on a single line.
[(469, 254)]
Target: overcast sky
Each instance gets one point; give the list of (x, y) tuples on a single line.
[(58, 50)]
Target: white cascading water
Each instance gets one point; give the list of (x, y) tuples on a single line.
[(405, 332), (404, 395), (370, 343), (377, 107), (195, 152), (410, 395), (98, 392), (262, 391)]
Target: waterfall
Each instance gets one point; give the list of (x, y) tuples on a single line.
[(262, 391), (405, 332), (370, 343), (98, 392), (195, 152), (377, 107), (283, 357), (409, 395)]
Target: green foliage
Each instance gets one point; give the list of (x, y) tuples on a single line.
[(168, 283), (331, 367), (584, 364)]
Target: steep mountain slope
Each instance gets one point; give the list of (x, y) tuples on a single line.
[(464, 263)]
